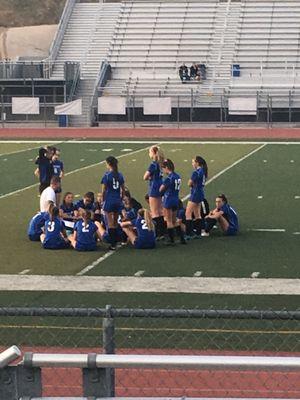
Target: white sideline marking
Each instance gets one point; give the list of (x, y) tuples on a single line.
[(197, 274), (230, 166), (263, 286), (279, 142), (124, 150), (267, 230), (107, 150), (292, 161), (255, 274), (297, 197), (265, 161), (296, 233), (82, 159), (260, 197), (72, 172), (24, 272), (96, 262), (139, 273)]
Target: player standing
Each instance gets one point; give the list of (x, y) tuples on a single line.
[(170, 190), (155, 177), (113, 191)]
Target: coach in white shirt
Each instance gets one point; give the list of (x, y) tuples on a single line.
[(48, 195)]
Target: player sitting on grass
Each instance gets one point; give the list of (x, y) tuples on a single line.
[(225, 215), (55, 236), (170, 190), (140, 232), (85, 233), (67, 210), (35, 228), (86, 203)]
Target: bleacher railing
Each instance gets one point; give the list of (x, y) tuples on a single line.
[(135, 352)]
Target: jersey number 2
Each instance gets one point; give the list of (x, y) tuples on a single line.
[(144, 225)]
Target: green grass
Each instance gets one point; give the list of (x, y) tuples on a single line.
[(150, 333), (271, 254)]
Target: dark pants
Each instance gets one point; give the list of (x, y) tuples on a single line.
[(43, 186)]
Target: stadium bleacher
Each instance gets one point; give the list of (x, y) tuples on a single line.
[(145, 42)]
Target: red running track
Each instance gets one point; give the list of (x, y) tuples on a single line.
[(174, 383), (152, 133)]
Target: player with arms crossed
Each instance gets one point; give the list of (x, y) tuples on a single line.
[(170, 190), (225, 215), (113, 192)]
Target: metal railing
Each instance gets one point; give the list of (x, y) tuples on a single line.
[(58, 38), (136, 352)]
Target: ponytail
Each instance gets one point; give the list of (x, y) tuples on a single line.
[(158, 154), (113, 163), (202, 163), (144, 213), (53, 212), (86, 215)]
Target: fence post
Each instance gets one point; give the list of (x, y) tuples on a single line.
[(109, 346)]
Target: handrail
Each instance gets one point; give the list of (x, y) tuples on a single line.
[(60, 32), (9, 355), (99, 83), (74, 83), (253, 363)]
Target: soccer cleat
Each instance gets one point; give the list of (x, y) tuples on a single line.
[(204, 234), (112, 248)]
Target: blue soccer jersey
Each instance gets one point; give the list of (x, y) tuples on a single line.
[(172, 185), (68, 210), (145, 237), (113, 183), (197, 190), (155, 180), (80, 204), (85, 239), (58, 167), (36, 224), (231, 216), (53, 238)]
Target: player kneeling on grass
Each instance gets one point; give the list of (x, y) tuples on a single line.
[(140, 232), (225, 215), (54, 236), (170, 190), (85, 233), (36, 224)]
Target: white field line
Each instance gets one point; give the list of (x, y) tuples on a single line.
[(230, 166), (72, 172), (267, 230), (96, 262), (101, 259), (262, 286), (153, 142), (24, 150)]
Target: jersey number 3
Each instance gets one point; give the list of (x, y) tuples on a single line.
[(51, 226)]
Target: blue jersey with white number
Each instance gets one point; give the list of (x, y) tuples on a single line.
[(172, 185), (69, 210), (85, 235), (53, 231), (197, 190), (113, 182), (36, 224), (58, 167), (80, 204), (143, 232), (230, 215), (155, 180)]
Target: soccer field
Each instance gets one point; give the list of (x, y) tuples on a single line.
[(261, 181)]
